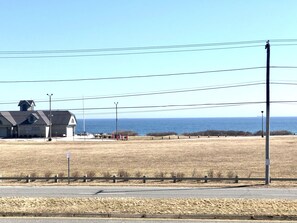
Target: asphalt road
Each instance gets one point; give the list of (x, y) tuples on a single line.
[(94, 220), (148, 192)]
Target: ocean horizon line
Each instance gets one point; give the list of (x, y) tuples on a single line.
[(259, 116)]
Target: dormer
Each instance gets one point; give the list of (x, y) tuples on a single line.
[(32, 118), (26, 105)]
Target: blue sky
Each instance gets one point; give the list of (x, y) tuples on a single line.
[(67, 25)]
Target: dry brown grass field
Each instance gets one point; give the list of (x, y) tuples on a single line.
[(244, 156)]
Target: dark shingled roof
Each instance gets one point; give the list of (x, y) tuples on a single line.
[(59, 117), (21, 117), (30, 102)]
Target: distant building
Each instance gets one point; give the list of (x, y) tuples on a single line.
[(28, 123)]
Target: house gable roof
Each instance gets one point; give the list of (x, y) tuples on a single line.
[(29, 102), (8, 117), (60, 117)]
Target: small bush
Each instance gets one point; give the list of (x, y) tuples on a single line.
[(161, 133), (161, 174), (22, 175), (231, 174), (126, 133), (75, 174), (195, 173), (138, 174), (281, 132), (180, 175), (124, 174), (218, 133), (106, 174), (219, 174), (91, 173), (177, 175), (210, 173), (48, 174), (33, 175)]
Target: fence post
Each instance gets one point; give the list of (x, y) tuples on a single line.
[(28, 179), (144, 179), (205, 179), (236, 179), (85, 178), (56, 178), (114, 179), (174, 179)]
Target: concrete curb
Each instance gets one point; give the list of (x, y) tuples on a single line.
[(152, 216)]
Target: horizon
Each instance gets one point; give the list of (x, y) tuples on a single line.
[(189, 117)]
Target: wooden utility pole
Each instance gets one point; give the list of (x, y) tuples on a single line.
[(267, 150)]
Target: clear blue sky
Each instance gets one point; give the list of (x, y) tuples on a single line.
[(71, 24)]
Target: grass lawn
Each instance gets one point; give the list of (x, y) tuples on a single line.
[(244, 156)]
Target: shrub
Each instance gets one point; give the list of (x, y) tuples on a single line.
[(231, 174), (75, 174), (219, 174), (48, 174), (195, 173), (177, 175), (126, 133), (161, 133), (106, 174), (91, 173), (33, 175), (161, 174), (218, 133), (210, 173), (138, 174), (281, 132), (180, 175), (124, 174)]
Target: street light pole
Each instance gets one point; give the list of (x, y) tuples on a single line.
[(50, 116), (262, 125), (116, 104)]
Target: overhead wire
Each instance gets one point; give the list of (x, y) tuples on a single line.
[(130, 77), (152, 47), (125, 54), (169, 91)]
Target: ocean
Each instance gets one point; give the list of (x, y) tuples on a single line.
[(186, 125)]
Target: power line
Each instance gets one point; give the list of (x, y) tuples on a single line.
[(160, 92), (126, 54), (172, 91), (154, 47), (137, 48), (130, 77), (124, 95), (143, 76), (182, 105), (148, 49)]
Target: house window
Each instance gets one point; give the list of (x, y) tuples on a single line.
[(1, 123), (24, 107), (32, 118)]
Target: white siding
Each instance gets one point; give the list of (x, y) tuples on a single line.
[(69, 131)]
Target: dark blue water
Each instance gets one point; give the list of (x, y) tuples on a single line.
[(184, 125)]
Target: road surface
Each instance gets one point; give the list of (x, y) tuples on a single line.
[(148, 192), (94, 220)]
